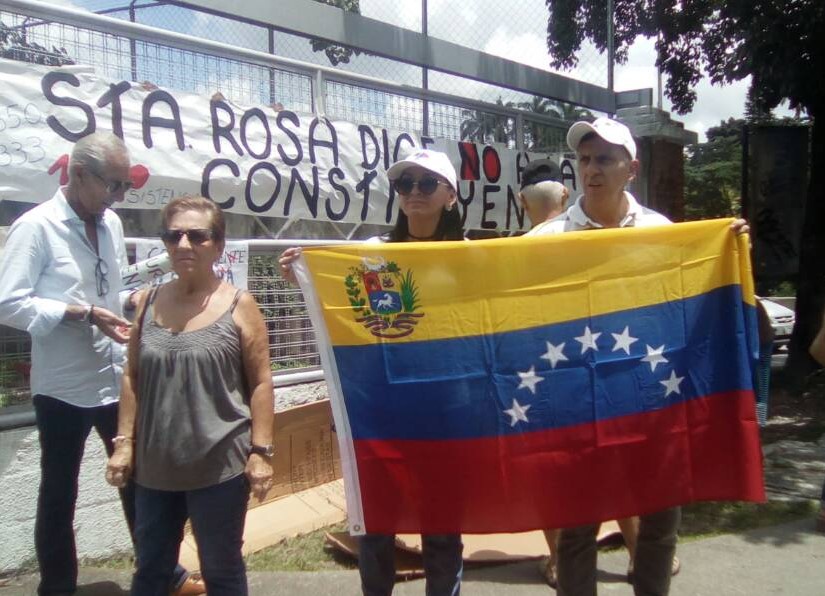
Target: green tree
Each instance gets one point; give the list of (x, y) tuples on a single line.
[(15, 45), (780, 44), (486, 127), (337, 54), (713, 173), (541, 137)]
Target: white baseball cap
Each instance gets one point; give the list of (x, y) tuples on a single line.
[(612, 131), (433, 161)]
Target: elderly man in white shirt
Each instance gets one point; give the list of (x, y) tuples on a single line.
[(61, 283)]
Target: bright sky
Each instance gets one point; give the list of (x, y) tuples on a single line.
[(516, 30)]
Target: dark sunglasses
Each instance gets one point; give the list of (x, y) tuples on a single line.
[(101, 270), (195, 236), (114, 186), (426, 185)]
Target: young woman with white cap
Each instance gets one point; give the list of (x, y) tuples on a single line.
[(426, 185)]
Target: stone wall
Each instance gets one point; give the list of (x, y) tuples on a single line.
[(99, 524)]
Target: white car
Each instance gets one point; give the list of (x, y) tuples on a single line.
[(782, 321)]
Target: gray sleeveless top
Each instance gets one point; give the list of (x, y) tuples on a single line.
[(193, 426)]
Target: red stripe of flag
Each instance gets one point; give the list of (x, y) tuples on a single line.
[(703, 449)]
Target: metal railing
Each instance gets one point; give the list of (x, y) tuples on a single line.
[(121, 49), (293, 353)]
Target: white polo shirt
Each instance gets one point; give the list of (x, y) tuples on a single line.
[(575, 219)]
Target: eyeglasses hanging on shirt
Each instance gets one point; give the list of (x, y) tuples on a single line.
[(101, 271)]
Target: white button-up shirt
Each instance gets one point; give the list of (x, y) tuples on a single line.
[(48, 263), (575, 219)]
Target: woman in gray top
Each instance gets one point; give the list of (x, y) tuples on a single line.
[(195, 420)]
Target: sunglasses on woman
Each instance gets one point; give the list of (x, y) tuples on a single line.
[(195, 236), (426, 185)]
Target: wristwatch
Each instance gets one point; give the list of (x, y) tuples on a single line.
[(265, 450)]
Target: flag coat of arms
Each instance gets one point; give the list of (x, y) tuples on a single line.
[(521, 383)]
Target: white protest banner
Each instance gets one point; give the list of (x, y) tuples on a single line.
[(232, 266), (146, 272), (248, 159)]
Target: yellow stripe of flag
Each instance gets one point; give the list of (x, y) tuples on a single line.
[(509, 284)]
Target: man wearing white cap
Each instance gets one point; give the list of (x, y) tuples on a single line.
[(606, 154)]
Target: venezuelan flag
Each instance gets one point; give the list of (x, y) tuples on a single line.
[(521, 383)]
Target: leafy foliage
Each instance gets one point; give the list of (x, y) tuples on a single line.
[(337, 54), (780, 44), (14, 45), (713, 173)]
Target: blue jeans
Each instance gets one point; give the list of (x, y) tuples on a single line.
[(63, 430), (443, 564), (218, 513)]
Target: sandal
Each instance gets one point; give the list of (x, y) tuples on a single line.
[(548, 570)]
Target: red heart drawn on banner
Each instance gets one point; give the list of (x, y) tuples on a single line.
[(139, 174)]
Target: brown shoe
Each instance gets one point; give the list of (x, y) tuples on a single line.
[(191, 586)]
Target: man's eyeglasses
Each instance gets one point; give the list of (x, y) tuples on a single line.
[(101, 270), (114, 186), (426, 185), (195, 236)]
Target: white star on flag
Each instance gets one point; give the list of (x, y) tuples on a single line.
[(517, 412), (655, 357), (554, 354), (588, 340), (529, 379), (672, 384), (623, 340)]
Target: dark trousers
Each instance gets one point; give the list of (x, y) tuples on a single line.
[(218, 514), (443, 564), (63, 430), (652, 565)]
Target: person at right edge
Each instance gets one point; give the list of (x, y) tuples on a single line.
[(426, 183), (817, 350), (606, 155)]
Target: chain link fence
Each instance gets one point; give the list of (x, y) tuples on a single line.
[(515, 30)]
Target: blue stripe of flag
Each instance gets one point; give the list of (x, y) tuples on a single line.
[(463, 387)]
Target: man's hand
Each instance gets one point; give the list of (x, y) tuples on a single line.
[(259, 473), (111, 325), (740, 226)]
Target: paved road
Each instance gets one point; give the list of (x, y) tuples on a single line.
[(787, 559)]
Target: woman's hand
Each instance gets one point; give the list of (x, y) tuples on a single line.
[(286, 259), (259, 473), (119, 468)]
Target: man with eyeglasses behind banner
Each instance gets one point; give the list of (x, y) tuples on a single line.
[(61, 282)]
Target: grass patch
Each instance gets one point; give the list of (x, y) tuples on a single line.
[(120, 562), (702, 520), (699, 520), (302, 553)]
